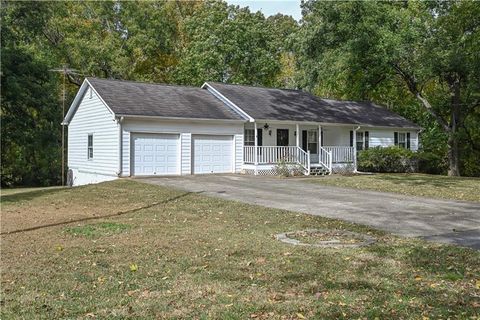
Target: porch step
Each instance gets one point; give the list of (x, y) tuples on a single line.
[(318, 171)]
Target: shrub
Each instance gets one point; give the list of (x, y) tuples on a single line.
[(389, 159), (432, 163), (284, 169)]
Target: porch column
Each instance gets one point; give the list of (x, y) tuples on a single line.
[(297, 140), (319, 139), (256, 147), (319, 142), (297, 128), (355, 148)]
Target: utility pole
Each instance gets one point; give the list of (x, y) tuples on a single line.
[(64, 70)]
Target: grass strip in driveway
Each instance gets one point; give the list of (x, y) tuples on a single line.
[(201, 257), (423, 185)]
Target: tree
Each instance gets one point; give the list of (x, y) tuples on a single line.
[(430, 49), (284, 29), (228, 44), (30, 113)]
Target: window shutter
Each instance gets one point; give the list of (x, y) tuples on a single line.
[(367, 140), (351, 138), (259, 137), (395, 138), (304, 140), (321, 135), (408, 140)]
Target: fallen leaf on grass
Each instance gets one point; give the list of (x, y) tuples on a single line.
[(133, 267), (300, 316)]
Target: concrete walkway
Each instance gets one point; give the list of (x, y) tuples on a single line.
[(455, 222)]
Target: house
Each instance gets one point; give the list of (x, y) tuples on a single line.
[(124, 129)]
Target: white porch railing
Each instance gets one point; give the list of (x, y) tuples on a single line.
[(341, 154), (325, 158), (274, 155)]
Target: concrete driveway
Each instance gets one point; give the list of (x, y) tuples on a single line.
[(455, 222)]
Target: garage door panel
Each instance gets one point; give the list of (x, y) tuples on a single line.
[(155, 154), (212, 154)]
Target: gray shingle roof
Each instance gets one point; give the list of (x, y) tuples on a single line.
[(296, 105), (148, 99)]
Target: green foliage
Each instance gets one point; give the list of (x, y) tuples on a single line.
[(388, 160), (432, 163), (30, 114), (286, 169), (228, 44)]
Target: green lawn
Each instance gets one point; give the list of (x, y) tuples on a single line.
[(434, 186), (141, 251)]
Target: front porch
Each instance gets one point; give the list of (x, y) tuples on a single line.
[(308, 148)]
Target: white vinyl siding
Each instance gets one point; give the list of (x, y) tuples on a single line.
[(385, 138), (238, 152), (93, 118)]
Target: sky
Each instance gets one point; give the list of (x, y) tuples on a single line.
[(272, 7)]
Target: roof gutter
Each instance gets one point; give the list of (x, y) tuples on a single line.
[(178, 118)]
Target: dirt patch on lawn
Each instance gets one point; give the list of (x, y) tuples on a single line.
[(32, 210)]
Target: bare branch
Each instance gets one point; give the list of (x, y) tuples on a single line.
[(74, 79), (413, 87)]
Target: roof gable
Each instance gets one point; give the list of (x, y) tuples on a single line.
[(128, 98)]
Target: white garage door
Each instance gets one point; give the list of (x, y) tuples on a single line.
[(212, 154), (155, 154)]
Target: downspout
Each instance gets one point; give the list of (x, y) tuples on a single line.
[(120, 146)]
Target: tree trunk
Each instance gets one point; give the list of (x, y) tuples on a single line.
[(453, 160), (453, 156)]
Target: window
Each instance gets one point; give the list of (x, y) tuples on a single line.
[(312, 141), (90, 147), (249, 137), (402, 139), (362, 138)]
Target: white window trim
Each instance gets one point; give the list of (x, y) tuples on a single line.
[(362, 139), (402, 140), (312, 138), (89, 147), (249, 142)]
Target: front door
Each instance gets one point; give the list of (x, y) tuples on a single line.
[(282, 137)]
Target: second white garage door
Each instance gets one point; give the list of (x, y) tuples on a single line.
[(212, 154), (155, 154)]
